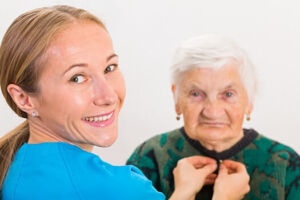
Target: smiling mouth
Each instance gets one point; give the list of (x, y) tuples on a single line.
[(99, 118)]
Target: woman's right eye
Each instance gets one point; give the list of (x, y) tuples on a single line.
[(197, 95), (194, 93), (77, 78)]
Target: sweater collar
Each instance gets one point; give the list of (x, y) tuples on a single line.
[(249, 136)]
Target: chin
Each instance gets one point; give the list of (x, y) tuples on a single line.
[(213, 135), (106, 141)]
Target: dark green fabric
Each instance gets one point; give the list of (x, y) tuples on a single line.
[(274, 168)]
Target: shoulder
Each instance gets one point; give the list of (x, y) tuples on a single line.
[(129, 180), (269, 155), (38, 166), (158, 142), (67, 172), (275, 148)]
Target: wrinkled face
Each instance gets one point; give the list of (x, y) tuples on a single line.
[(81, 87), (213, 103)]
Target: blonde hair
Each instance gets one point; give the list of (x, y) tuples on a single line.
[(22, 47)]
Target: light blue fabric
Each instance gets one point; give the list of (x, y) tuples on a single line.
[(61, 171)]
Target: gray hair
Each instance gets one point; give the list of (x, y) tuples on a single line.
[(212, 51)]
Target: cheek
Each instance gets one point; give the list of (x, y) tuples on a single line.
[(79, 100), (121, 90), (237, 114), (191, 112), (65, 101), (119, 87)]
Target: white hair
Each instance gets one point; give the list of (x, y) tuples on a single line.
[(212, 51)]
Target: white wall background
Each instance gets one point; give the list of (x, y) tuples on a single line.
[(145, 34)]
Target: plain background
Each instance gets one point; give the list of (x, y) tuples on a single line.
[(145, 34)]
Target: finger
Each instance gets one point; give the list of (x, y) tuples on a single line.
[(234, 166), (212, 176), (208, 169), (222, 170), (200, 161), (183, 163), (231, 171), (209, 181)]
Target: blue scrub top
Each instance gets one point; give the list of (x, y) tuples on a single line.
[(63, 171)]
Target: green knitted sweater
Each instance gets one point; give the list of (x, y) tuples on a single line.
[(274, 168)]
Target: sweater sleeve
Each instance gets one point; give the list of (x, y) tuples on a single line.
[(293, 176)]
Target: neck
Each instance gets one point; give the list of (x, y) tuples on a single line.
[(220, 146), (40, 134)]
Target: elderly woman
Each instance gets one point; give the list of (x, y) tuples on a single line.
[(213, 83), (59, 71)]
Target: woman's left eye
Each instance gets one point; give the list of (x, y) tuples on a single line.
[(78, 79), (110, 68)]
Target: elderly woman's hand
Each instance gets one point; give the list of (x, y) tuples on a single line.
[(190, 175), (232, 182)]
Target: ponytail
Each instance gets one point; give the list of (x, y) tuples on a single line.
[(9, 145)]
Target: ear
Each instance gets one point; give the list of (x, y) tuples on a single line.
[(21, 98), (249, 108), (177, 107), (173, 89)]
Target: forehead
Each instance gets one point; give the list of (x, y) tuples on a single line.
[(78, 41), (228, 75)]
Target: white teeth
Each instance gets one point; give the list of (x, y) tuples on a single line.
[(97, 119)]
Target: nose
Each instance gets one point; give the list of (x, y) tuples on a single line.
[(104, 93), (212, 109)]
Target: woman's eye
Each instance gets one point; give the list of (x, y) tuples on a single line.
[(78, 79), (110, 68), (228, 94), (194, 93)]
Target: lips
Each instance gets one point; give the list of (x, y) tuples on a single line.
[(216, 124), (100, 120)]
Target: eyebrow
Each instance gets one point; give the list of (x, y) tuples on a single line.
[(111, 56), (85, 64), (231, 85), (194, 86)]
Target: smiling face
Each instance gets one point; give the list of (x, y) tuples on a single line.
[(213, 104), (81, 89)]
